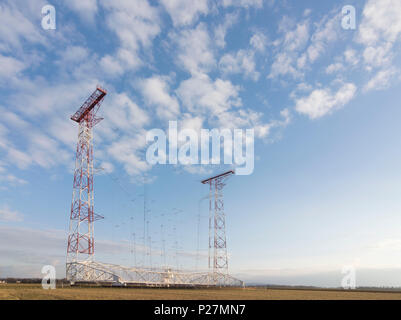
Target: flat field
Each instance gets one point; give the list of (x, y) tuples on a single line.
[(35, 292)]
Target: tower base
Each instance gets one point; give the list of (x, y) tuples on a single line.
[(95, 272)]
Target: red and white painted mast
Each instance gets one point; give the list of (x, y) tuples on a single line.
[(81, 241)]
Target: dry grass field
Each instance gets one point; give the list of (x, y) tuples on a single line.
[(35, 292)]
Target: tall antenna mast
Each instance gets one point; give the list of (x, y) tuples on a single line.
[(81, 242), (217, 223)]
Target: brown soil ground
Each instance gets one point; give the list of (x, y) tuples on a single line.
[(35, 292)]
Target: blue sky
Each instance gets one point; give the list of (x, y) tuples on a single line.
[(324, 103)]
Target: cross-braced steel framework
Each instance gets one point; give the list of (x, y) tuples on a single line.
[(91, 271), (81, 244), (217, 224)]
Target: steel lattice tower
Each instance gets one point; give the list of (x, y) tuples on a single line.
[(81, 244), (217, 223)]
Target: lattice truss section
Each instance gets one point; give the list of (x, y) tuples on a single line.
[(90, 271), (217, 224), (81, 244)]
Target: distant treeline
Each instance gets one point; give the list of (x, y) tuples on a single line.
[(29, 280), (288, 287)]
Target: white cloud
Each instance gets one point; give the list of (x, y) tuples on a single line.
[(244, 60), (303, 44), (241, 62), (64, 131), (322, 101), (195, 51), (283, 65), (351, 57), (381, 22), (191, 122), (12, 180), (129, 152), (184, 12), (263, 130), (122, 61), (205, 99), (3, 136), (218, 103), (46, 152), (202, 96), (156, 92), (124, 120), (296, 39), (111, 65), (10, 67), (287, 60), (74, 54), (6, 214), (106, 167), (221, 30), (53, 143), (381, 80), (379, 30), (334, 67), (40, 145), (307, 12), (377, 56), (12, 119), (21, 159), (301, 88), (87, 9), (123, 113), (388, 244), (42, 98), (258, 41), (17, 27), (243, 3), (250, 119), (327, 32), (136, 24)]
